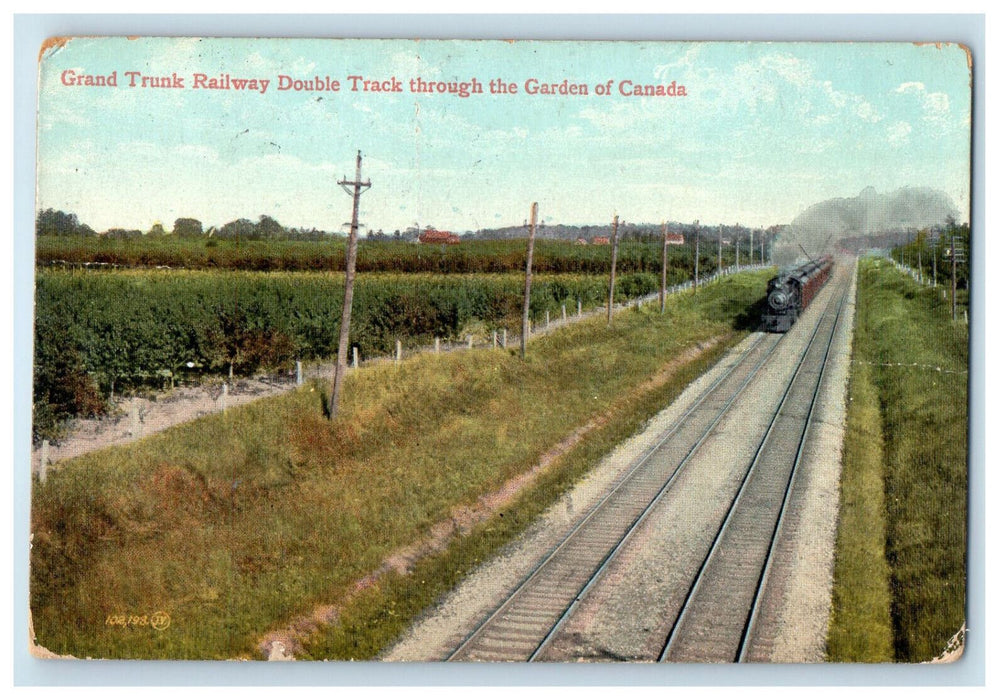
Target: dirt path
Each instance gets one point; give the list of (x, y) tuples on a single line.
[(135, 417)]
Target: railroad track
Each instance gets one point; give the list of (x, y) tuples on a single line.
[(524, 625), (718, 616)]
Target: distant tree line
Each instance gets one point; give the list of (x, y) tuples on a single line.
[(627, 231), (51, 222), (932, 247), (57, 223), (895, 239)]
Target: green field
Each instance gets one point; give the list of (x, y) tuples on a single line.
[(486, 257), (97, 332), (114, 314), (236, 523), (901, 556)]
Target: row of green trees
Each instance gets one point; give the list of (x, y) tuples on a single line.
[(470, 257), (52, 222), (931, 251), (57, 223), (99, 332)]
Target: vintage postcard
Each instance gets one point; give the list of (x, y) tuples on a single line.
[(422, 350)]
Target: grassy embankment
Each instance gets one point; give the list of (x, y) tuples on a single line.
[(237, 523), (900, 559)]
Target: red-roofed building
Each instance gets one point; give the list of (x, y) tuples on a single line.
[(676, 239), (599, 240), (431, 236)]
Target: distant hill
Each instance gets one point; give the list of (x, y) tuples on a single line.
[(571, 233)]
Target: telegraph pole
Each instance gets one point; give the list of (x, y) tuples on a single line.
[(358, 187), (526, 323), (719, 252), (953, 273), (663, 269), (737, 253), (762, 238), (695, 280), (933, 243), (614, 263), (750, 246)]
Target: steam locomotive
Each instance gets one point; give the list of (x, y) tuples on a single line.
[(791, 292)]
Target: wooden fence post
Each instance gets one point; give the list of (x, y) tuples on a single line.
[(43, 465)]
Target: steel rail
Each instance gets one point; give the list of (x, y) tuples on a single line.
[(755, 609), (616, 489), (646, 511), (725, 523)]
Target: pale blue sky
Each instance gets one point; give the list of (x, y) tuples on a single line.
[(766, 130)]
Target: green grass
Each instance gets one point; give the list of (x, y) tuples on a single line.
[(861, 628), (237, 523), (381, 614), (908, 423)]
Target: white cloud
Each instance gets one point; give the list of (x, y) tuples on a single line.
[(836, 97), (62, 113), (196, 152), (936, 106), (669, 71), (897, 134), (809, 100), (793, 69), (410, 64), (867, 112), (910, 87)]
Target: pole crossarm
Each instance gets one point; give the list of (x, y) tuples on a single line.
[(346, 184)]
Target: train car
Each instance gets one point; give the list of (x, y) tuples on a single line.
[(791, 292)]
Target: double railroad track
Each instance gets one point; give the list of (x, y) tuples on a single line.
[(714, 617)]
